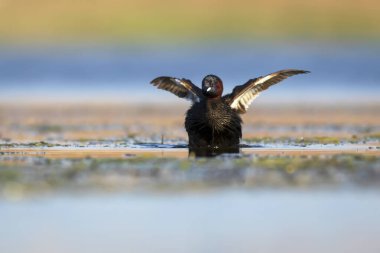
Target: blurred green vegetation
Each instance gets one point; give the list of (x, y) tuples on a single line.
[(155, 21), (19, 178)]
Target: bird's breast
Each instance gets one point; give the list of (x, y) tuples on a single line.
[(218, 114)]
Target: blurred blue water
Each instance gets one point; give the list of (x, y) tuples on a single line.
[(233, 221), (122, 73)]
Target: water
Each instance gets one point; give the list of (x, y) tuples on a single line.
[(234, 221), (107, 192), (122, 73)]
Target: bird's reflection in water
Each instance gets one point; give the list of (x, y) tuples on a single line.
[(212, 151)]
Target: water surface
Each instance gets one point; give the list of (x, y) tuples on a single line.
[(340, 72), (234, 221)]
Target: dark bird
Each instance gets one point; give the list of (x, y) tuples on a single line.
[(213, 123)]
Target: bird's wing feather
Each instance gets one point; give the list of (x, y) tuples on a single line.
[(243, 95), (182, 88)]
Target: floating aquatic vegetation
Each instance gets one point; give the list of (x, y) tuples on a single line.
[(38, 174), (304, 141)]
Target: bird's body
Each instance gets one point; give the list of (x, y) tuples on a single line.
[(213, 122)]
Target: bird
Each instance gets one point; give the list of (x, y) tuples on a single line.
[(213, 121)]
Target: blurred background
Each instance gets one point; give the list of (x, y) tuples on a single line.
[(87, 51), (78, 117)]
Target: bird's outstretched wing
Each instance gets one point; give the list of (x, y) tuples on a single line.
[(182, 88), (243, 95)]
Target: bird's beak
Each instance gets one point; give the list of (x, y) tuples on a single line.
[(208, 89)]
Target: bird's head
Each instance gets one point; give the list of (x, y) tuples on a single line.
[(212, 86)]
